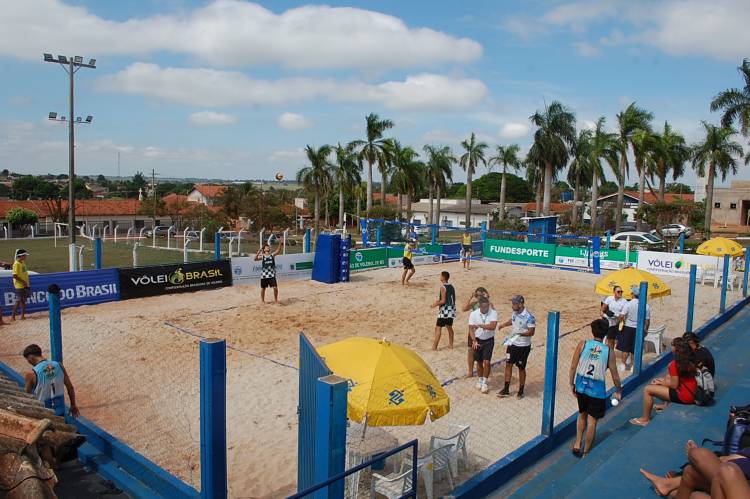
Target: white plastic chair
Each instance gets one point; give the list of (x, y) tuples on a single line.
[(392, 486), (458, 441), (434, 461), (654, 336)]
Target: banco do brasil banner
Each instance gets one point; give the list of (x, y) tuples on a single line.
[(76, 288), (365, 259), (574, 256), (175, 278), (519, 251)]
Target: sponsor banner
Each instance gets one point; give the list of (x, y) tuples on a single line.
[(76, 288), (245, 270), (174, 278), (366, 259), (519, 251), (675, 264), (572, 256), (416, 260)]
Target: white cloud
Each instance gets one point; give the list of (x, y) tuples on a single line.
[(204, 118), (512, 130), (586, 49), (213, 88), (286, 155), (578, 15), (293, 121), (235, 33)]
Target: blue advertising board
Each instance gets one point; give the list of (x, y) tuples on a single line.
[(76, 288)]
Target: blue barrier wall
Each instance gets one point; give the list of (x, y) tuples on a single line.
[(76, 288)]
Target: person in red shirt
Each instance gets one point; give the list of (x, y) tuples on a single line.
[(677, 386)]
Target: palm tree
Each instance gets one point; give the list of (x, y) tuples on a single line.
[(535, 176), (406, 174), (385, 165), (715, 154), (372, 147), (439, 172), (555, 132), (671, 153), (469, 161), (579, 173), (346, 173), (630, 120), (316, 178), (735, 102), (359, 191), (506, 156), (644, 146), (604, 146)]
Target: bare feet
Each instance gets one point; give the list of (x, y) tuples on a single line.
[(690, 445), (470, 375), (638, 422), (663, 486)]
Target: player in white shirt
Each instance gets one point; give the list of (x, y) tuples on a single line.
[(611, 308), (482, 325), (519, 344), (626, 338)]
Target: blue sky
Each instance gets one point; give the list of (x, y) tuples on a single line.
[(234, 89)]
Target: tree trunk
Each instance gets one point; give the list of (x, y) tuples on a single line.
[(594, 198), (369, 188), (538, 198), (547, 187), (574, 218), (662, 186), (431, 213), (709, 201), (341, 206), (641, 185), (382, 188), (502, 194), (399, 209), (408, 207), (317, 215), (621, 188), (437, 208), (467, 210), (359, 202), (328, 220)]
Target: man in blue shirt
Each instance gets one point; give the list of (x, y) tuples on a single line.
[(46, 381)]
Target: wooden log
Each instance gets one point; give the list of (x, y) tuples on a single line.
[(22, 428)]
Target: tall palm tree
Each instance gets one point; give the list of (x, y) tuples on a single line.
[(628, 121), (505, 156), (469, 161), (535, 176), (715, 154), (439, 171), (644, 146), (671, 153), (735, 102), (604, 146), (406, 174), (346, 173), (316, 178), (372, 147), (579, 173), (555, 132), (359, 191), (386, 158)]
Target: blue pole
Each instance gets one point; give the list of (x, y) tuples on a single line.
[(98, 253), (607, 243), (640, 330), (308, 237), (330, 434), (483, 230), (724, 282), (55, 323), (433, 234), (550, 373), (682, 242), (213, 418), (363, 232), (596, 247), (691, 298), (217, 246), (378, 234), (746, 274)]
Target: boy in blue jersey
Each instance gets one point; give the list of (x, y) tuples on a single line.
[(588, 370), (46, 381)]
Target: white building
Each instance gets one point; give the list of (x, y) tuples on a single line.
[(452, 212)]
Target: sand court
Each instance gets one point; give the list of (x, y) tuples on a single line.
[(136, 370)]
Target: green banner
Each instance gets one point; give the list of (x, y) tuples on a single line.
[(611, 255), (433, 249), (365, 259), (519, 251)]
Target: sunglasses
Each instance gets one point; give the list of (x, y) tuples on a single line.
[(619, 292)]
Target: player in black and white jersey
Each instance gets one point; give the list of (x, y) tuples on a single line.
[(268, 271), (446, 304)]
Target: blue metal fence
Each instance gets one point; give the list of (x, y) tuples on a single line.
[(311, 367)]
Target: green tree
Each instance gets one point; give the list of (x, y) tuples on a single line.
[(580, 171), (714, 154), (372, 148), (604, 146), (555, 133), (469, 161), (407, 172), (488, 188), (316, 179), (31, 187), (22, 218), (735, 103), (506, 156), (670, 154), (631, 119), (346, 173), (678, 187), (439, 171)]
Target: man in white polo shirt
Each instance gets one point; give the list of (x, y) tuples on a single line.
[(611, 308), (482, 324), (626, 339), (518, 343)]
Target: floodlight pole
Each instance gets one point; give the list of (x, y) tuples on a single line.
[(71, 171)]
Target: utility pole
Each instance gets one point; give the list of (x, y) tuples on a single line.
[(153, 197), (118, 165)]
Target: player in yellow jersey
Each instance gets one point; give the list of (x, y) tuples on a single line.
[(408, 265), (466, 250)]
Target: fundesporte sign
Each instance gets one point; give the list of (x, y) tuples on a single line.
[(76, 288), (175, 278), (519, 251)]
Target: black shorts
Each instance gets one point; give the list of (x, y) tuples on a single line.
[(592, 406), (673, 397), (517, 356), (407, 263), (626, 340), (444, 321), (484, 352), (269, 282), (467, 248), (612, 332), (22, 294)]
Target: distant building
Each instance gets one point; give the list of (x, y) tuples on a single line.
[(452, 212), (731, 204), (207, 194), (630, 202)]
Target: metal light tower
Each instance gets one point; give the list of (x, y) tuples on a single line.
[(71, 65)]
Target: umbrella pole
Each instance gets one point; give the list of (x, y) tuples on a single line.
[(364, 428)]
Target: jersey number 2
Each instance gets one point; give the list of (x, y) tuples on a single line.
[(590, 370)]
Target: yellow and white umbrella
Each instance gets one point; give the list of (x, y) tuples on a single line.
[(720, 246), (629, 277)]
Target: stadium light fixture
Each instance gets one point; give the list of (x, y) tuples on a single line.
[(78, 59), (53, 115)]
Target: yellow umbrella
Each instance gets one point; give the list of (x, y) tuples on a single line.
[(389, 385), (720, 246), (628, 277)]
